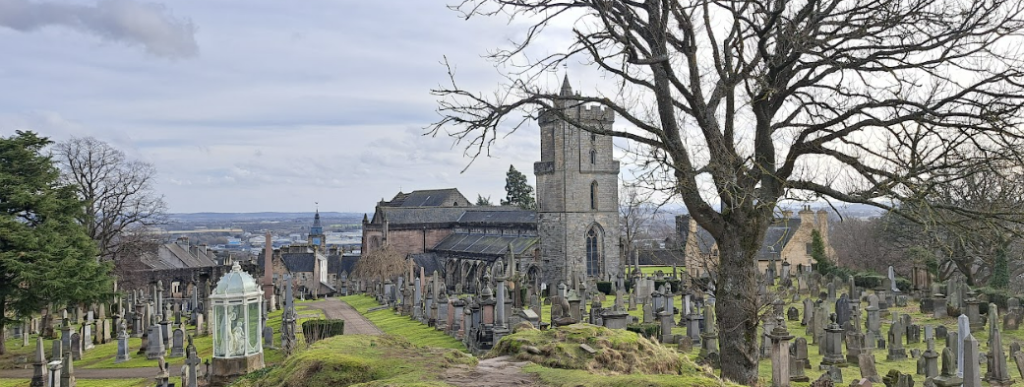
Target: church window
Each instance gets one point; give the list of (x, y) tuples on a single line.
[(593, 156), (593, 137), (593, 195), (593, 252)]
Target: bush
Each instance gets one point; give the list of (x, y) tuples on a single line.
[(648, 330), (995, 296), (868, 280), (315, 330), (605, 287)]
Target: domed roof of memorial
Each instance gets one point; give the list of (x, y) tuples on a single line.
[(236, 282)]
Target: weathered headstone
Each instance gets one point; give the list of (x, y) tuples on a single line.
[(780, 354), (38, 364), (122, 347), (155, 348), (895, 343), (843, 309), (963, 331), (796, 364), (867, 367), (792, 314), (76, 347), (948, 376), (178, 343), (998, 373)]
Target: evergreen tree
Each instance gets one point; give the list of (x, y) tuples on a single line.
[(821, 261), (1000, 270), (518, 191), (483, 201), (46, 256)]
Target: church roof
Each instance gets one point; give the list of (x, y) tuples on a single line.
[(447, 197), (485, 244), (776, 238), (498, 215), (418, 215)]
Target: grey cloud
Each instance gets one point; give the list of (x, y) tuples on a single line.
[(124, 21)]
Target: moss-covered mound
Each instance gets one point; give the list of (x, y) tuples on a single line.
[(615, 351), (362, 360)]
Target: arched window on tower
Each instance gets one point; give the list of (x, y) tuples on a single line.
[(593, 243), (593, 157), (593, 195)]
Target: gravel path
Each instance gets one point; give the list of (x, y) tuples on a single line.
[(355, 324)]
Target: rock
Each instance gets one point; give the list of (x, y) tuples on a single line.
[(588, 349)]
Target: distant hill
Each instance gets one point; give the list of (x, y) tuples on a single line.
[(202, 217)]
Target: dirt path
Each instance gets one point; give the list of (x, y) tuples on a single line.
[(355, 323), (502, 371)]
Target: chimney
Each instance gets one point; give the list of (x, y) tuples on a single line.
[(807, 216), (202, 248), (823, 225)]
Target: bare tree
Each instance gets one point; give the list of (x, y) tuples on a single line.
[(118, 192), (381, 264), (635, 214), (874, 101)]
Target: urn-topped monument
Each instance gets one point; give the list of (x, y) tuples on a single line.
[(237, 306)]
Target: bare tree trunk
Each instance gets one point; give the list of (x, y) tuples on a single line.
[(3, 337), (737, 309)]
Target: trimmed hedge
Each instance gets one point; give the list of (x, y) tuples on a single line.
[(315, 330)]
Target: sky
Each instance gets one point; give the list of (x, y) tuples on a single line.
[(262, 105)]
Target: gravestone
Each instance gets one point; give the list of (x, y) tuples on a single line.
[(792, 314), (155, 348), (177, 343), (800, 354), (1018, 358), (38, 364), (843, 309), (971, 369), (268, 337), (833, 344), (866, 362), (941, 332), (76, 347), (895, 343), (897, 379), (931, 357), (796, 364), (913, 334), (948, 378), (939, 306), (998, 373), (808, 312), (854, 345), (122, 348), (963, 331)]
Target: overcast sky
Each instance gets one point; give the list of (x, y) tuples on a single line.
[(259, 105)]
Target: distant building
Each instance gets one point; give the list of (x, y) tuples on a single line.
[(787, 239), (316, 269)]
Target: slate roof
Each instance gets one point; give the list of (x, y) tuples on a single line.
[(175, 256), (776, 238), (661, 257), (484, 244), (428, 261), (418, 215), (336, 264), (427, 198), (299, 262), (498, 215)]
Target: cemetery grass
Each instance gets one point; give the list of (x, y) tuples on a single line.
[(405, 327), (90, 382), (102, 355), (354, 359)]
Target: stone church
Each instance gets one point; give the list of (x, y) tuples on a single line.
[(571, 236)]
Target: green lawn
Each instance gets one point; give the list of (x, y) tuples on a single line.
[(402, 326), (102, 356), (92, 382)]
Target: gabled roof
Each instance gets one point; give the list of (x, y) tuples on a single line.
[(428, 261), (448, 197), (776, 238)]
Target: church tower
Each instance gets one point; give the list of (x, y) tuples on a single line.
[(316, 239), (577, 193)]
